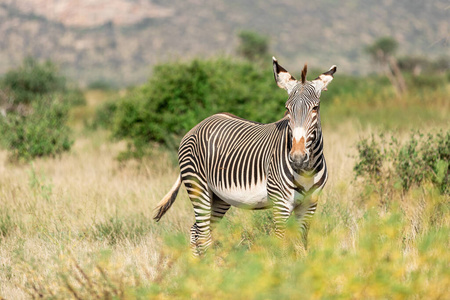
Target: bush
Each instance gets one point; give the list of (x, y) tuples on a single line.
[(436, 156), (370, 160), (180, 95), (102, 84), (35, 103), (423, 159), (104, 115), (33, 79), (42, 132), (426, 81), (420, 159)]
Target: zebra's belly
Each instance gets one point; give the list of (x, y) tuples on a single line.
[(253, 197)]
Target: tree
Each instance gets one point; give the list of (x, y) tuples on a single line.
[(382, 52), (253, 46)]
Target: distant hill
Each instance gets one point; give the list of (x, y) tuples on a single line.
[(119, 40)]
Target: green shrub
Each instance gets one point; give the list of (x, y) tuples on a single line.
[(370, 160), (102, 84), (104, 115), (420, 159), (36, 99), (408, 163), (179, 95), (40, 132), (426, 81), (436, 156), (33, 79)]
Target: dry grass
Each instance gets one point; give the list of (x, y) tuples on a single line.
[(80, 226), (54, 206)]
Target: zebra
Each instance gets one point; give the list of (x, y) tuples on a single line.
[(229, 161)]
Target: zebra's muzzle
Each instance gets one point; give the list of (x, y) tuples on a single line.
[(299, 162)]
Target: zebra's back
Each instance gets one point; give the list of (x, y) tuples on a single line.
[(232, 157)]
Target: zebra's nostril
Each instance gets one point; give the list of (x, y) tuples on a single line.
[(297, 158)]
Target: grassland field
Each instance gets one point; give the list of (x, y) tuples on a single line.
[(80, 226)]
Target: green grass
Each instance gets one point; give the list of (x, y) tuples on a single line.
[(381, 109), (379, 264)]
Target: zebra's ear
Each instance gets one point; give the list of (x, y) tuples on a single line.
[(324, 79), (282, 77)]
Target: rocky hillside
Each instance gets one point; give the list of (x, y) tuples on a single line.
[(119, 40)]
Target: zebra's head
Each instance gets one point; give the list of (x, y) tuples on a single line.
[(303, 112)]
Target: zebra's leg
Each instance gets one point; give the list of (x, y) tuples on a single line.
[(304, 213), (201, 198), (281, 212), (194, 240), (218, 209)]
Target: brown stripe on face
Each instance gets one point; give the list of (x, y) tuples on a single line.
[(298, 146)]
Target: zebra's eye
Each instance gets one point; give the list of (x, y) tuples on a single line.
[(315, 108)]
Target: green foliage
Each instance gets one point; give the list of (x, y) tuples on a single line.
[(427, 81), (36, 99), (435, 152), (418, 160), (382, 48), (371, 102), (179, 95), (33, 79), (441, 64), (412, 63), (370, 159), (104, 115), (102, 84), (253, 46), (422, 64), (41, 132), (423, 158), (408, 165)]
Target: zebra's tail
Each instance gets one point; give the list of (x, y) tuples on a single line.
[(168, 200)]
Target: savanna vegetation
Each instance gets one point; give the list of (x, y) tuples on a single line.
[(35, 100), (78, 224)]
